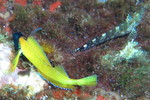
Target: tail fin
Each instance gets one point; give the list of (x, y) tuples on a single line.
[(88, 81)]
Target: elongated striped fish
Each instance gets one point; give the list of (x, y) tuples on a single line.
[(127, 27)]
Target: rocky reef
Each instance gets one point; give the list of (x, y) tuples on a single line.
[(120, 58)]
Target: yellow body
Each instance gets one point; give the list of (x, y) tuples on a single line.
[(55, 75)]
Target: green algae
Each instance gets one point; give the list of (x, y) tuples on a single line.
[(129, 68)]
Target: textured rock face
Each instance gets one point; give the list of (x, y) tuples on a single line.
[(5, 53)]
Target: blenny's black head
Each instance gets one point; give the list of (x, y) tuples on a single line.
[(16, 37)]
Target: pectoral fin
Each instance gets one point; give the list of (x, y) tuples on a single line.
[(15, 61)]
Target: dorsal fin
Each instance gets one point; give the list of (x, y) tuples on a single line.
[(61, 70), (34, 31)]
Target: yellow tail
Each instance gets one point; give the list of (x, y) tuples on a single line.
[(88, 81)]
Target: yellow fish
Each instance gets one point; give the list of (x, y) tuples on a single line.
[(55, 75)]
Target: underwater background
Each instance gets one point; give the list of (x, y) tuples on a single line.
[(107, 38)]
